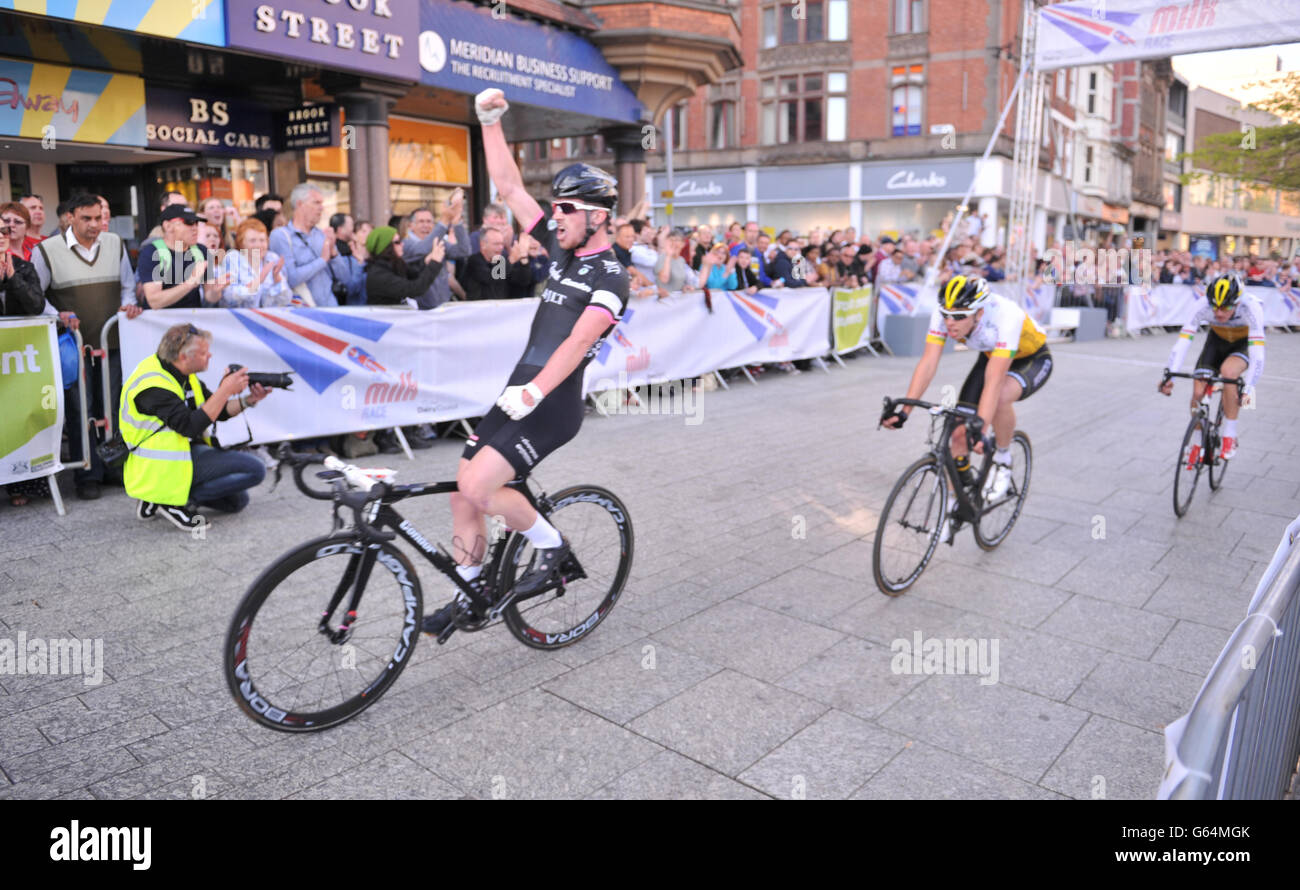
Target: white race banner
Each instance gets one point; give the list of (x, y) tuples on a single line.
[(1094, 33), (31, 399), (678, 337), (356, 368), (1171, 304)]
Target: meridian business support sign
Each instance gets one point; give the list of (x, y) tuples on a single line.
[(463, 48), (372, 36)]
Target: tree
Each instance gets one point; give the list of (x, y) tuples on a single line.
[(1269, 155)]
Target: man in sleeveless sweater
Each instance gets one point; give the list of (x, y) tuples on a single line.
[(86, 277)]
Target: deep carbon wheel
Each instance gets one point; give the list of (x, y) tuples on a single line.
[(1189, 466), (997, 519), (1216, 466), (284, 672), (909, 526), (599, 531)]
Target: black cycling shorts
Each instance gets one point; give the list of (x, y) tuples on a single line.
[(1031, 372), (525, 442), (1216, 351)]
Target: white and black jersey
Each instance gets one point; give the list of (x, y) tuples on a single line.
[(575, 282)]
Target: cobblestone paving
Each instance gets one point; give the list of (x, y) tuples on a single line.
[(771, 661)]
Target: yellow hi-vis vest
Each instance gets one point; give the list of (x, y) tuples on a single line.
[(158, 469)]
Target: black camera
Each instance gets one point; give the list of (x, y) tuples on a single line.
[(340, 291), (267, 379)]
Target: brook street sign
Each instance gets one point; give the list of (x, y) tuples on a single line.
[(374, 36)]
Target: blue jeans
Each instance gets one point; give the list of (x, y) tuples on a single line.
[(221, 478)]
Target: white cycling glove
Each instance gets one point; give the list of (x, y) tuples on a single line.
[(512, 400), (489, 116), (1248, 396)]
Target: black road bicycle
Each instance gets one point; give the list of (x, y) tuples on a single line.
[(1202, 444), (913, 518), (327, 628)]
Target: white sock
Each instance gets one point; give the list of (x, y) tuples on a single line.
[(469, 573), (1230, 429), (1002, 456), (542, 535)]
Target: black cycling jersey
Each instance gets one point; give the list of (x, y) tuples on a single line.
[(574, 282)]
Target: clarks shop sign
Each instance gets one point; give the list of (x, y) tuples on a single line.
[(909, 179), (375, 36), (177, 120)]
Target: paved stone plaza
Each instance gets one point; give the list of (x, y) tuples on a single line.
[(771, 659)]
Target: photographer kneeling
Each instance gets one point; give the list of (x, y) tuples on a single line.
[(174, 465)]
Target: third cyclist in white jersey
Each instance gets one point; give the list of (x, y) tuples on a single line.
[(1234, 347)]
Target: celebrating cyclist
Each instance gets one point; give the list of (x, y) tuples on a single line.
[(541, 407), (1236, 319), (1014, 363)]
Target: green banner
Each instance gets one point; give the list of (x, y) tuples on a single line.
[(31, 404), (851, 317)]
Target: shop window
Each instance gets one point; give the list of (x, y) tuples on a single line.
[(20, 181), (1173, 146), (837, 106), (909, 16), (679, 126), (810, 21), (794, 109), (1173, 197), (906, 99)]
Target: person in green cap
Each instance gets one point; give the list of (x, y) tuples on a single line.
[(389, 279)]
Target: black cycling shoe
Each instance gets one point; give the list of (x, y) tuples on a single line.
[(545, 563), (440, 620)]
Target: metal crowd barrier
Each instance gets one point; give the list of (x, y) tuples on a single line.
[(1241, 739), (55, 494)]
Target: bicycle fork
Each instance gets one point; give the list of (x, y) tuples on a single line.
[(354, 577)]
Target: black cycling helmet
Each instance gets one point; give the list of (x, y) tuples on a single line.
[(587, 184), (1224, 291), (963, 294)]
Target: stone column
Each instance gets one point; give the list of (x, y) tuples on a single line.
[(365, 109), (629, 165)]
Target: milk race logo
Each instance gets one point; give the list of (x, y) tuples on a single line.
[(322, 346), (755, 311), (1083, 25), (1038, 299), (898, 300)]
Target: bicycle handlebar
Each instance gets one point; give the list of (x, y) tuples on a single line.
[(974, 423), (1169, 375)]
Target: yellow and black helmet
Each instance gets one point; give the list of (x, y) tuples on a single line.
[(1224, 292), (963, 294)]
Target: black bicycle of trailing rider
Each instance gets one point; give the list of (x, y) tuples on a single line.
[(917, 510), (325, 630), (1202, 443)]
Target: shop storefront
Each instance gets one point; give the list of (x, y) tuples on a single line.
[(69, 130), (382, 92), (885, 197), (233, 138), (1243, 232)]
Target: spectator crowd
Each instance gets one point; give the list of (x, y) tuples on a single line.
[(286, 254)]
